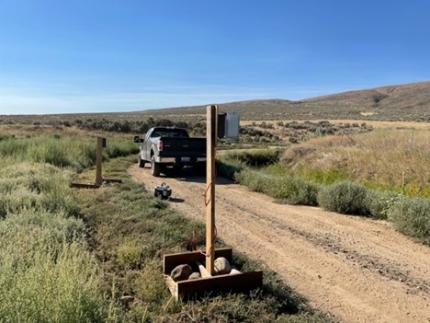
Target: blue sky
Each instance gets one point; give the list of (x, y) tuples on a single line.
[(102, 55)]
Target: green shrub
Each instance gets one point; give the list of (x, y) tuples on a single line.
[(293, 190), (412, 217), (228, 169), (256, 181), (344, 197), (254, 157), (379, 203)]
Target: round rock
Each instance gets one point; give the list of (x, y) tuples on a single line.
[(194, 275), (222, 266), (181, 272)]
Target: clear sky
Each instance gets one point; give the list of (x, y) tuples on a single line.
[(101, 55)]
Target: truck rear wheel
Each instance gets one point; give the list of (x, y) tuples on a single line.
[(155, 168), (141, 162)]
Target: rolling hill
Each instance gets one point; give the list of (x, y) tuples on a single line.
[(402, 102), (410, 102)]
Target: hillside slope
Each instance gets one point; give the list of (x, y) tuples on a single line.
[(403, 102)]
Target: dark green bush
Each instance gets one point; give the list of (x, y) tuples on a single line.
[(228, 169), (344, 197), (412, 217), (253, 158)]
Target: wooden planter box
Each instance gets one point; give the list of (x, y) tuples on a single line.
[(93, 185), (84, 185), (240, 282)]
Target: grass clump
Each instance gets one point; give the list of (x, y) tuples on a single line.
[(412, 217), (130, 253), (344, 197)]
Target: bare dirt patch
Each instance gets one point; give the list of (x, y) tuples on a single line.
[(358, 269)]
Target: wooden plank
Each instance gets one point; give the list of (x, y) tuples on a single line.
[(241, 282), (112, 180), (211, 136), (84, 185), (170, 261), (172, 286)]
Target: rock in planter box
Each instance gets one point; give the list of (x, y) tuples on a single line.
[(181, 272)]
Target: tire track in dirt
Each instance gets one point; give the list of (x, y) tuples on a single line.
[(328, 242), (358, 269)]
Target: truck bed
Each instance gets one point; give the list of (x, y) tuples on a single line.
[(183, 147)]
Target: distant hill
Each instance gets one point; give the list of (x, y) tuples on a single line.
[(402, 102)]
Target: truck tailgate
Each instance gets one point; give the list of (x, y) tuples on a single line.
[(192, 147)]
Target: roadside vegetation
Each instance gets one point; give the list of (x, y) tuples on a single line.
[(71, 255), (47, 273), (388, 159), (336, 189), (132, 231), (60, 150)]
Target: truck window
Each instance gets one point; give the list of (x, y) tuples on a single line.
[(170, 133)]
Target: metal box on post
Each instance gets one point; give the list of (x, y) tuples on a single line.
[(228, 125)]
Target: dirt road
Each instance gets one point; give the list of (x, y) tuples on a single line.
[(358, 269)]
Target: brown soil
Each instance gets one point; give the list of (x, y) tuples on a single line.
[(359, 270)]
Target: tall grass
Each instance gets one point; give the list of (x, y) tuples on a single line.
[(36, 187), (51, 287), (62, 151), (386, 158), (46, 272)]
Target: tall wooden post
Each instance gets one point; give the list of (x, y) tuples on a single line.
[(210, 187), (99, 156)]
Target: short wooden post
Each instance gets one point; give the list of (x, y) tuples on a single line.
[(210, 187), (99, 157)]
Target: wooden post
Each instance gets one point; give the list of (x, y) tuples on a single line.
[(210, 187), (99, 156)]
